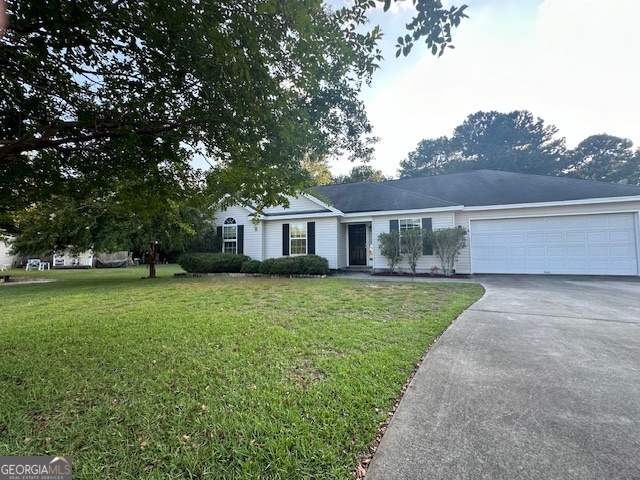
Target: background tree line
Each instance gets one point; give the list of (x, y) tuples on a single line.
[(519, 142)]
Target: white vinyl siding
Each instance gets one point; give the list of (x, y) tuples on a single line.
[(342, 246), (296, 204), (325, 234), (252, 234), (425, 262)]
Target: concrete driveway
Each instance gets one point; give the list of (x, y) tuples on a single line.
[(540, 379)]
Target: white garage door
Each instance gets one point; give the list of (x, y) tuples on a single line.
[(578, 245)]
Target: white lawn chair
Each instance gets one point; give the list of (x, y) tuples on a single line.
[(33, 264)]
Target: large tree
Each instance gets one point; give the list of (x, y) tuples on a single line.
[(605, 158), (106, 103), (362, 173), (514, 142), (432, 157), (253, 85)]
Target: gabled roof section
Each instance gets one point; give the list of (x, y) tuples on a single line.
[(491, 187), (468, 189), (378, 197)]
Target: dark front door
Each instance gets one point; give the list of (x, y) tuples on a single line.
[(358, 244)]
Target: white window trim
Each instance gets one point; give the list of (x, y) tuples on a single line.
[(228, 224), (414, 221), (292, 238)]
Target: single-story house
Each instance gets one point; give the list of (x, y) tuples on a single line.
[(517, 223)]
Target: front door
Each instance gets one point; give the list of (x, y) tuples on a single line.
[(358, 244)]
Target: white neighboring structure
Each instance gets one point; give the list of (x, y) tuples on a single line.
[(67, 259), (6, 259)]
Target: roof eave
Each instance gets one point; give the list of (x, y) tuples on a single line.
[(559, 203)]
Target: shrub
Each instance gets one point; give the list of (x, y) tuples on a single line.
[(390, 248), (411, 242), (302, 265), (212, 262), (314, 265), (447, 243), (266, 266), (250, 266)]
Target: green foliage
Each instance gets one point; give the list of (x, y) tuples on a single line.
[(318, 169), (362, 173), (513, 142), (206, 241), (431, 157), (411, 244), (298, 265), (107, 92), (250, 266), (390, 248), (438, 22), (212, 262), (447, 243), (604, 158)]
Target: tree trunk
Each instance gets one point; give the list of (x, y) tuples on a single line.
[(152, 260)]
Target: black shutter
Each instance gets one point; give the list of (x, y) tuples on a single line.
[(219, 235), (393, 226), (427, 249), (285, 239), (311, 238), (240, 240)]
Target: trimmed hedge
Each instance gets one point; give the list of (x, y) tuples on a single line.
[(232, 263), (299, 265), (212, 262), (250, 266)]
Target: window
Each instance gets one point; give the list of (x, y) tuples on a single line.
[(298, 238), (406, 224), (409, 224), (230, 236)]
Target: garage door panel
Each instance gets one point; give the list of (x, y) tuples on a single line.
[(556, 251), (621, 222), (576, 237), (598, 222), (517, 239), (516, 226), (576, 223), (577, 251), (556, 264), (517, 264), (620, 237), (555, 238), (577, 265), (556, 224), (536, 251), (598, 251), (497, 252), (499, 239), (599, 236), (535, 238), (587, 244), (623, 251)]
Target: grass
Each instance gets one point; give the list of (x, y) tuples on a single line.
[(221, 377)]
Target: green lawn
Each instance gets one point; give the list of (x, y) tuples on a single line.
[(210, 377)]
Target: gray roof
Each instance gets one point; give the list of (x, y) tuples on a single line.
[(476, 188)]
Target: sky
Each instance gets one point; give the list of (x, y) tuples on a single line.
[(573, 63)]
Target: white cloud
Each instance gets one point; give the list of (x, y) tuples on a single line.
[(571, 62)]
